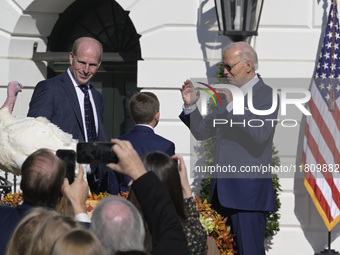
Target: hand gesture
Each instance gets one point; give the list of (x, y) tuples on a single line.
[(182, 170), (77, 192), (189, 94)]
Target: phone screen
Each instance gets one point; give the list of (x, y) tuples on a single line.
[(69, 157), (95, 153)]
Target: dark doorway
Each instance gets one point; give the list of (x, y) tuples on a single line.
[(117, 87)]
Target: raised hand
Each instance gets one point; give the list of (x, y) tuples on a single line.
[(189, 94), (182, 170), (77, 192)]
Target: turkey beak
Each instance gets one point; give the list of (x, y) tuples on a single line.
[(20, 86)]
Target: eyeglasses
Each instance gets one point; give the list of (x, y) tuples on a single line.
[(228, 67)]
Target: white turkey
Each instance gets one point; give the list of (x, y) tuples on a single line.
[(21, 136)]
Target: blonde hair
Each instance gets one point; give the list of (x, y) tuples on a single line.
[(23, 235), (51, 229), (78, 242)]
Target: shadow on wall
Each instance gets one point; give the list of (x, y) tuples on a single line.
[(311, 222), (211, 43)]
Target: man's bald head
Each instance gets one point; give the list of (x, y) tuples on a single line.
[(43, 175)]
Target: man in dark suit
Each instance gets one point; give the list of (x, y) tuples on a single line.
[(43, 184), (245, 198), (61, 100), (144, 111)]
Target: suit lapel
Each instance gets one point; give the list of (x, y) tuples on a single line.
[(98, 101), (255, 90), (257, 86), (72, 96)]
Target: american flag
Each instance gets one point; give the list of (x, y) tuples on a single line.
[(321, 154)]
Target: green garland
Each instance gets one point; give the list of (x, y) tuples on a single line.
[(272, 217)]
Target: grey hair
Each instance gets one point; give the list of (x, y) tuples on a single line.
[(246, 52), (118, 225)]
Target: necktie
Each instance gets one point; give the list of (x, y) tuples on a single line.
[(89, 117)]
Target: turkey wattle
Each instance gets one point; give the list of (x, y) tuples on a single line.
[(21, 136)]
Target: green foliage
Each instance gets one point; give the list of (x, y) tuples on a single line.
[(273, 217), (205, 189), (220, 72), (272, 226), (209, 148)]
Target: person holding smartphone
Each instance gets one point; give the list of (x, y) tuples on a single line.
[(43, 184)]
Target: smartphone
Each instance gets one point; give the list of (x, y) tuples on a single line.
[(69, 157), (95, 153)]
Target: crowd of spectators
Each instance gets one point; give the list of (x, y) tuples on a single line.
[(38, 226)]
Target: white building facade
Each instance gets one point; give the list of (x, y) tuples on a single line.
[(179, 40)]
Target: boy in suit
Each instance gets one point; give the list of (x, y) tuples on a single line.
[(144, 111)]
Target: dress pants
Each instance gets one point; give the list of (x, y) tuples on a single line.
[(248, 226)]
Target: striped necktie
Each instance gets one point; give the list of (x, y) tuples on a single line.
[(89, 117)]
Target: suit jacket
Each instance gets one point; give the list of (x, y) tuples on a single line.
[(240, 146), (9, 219), (56, 100), (160, 214), (144, 140)]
